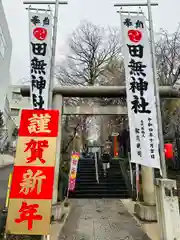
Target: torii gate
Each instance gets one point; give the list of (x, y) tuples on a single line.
[(95, 92)]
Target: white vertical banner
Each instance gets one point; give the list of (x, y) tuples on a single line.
[(40, 26), (140, 92)]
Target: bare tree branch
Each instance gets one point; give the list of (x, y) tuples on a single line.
[(92, 48), (168, 56), (72, 138), (168, 69)]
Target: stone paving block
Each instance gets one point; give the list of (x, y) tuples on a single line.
[(124, 236), (86, 227), (76, 237), (101, 219)]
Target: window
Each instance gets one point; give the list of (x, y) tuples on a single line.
[(14, 112), (16, 96), (2, 43)]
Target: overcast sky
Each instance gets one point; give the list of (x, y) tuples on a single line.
[(101, 12)]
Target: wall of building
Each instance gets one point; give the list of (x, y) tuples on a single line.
[(5, 78), (17, 103), (9, 123), (5, 56)]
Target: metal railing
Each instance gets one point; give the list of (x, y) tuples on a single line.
[(96, 167)]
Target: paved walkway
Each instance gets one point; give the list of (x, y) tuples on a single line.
[(100, 219)]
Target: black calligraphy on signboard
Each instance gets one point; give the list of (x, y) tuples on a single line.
[(142, 129), (138, 24), (151, 138), (137, 69), (138, 84), (138, 143), (39, 83), (39, 59)]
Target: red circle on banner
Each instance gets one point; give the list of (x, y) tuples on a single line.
[(40, 33), (134, 35)]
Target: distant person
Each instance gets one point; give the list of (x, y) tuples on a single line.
[(85, 151), (108, 146), (105, 158), (85, 148), (125, 142)]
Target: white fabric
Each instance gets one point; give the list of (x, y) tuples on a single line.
[(144, 138), (34, 28)]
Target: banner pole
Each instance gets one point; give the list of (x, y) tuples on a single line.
[(130, 168), (52, 67), (54, 40), (158, 108), (67, 195), (137, 182)]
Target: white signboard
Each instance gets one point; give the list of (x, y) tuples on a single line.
[(140, 92), (115, 134), (40, 57)]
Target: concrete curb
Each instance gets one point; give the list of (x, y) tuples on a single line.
[(8, 165), (57, 226), (6, 160), (151, 229), (140, 223)]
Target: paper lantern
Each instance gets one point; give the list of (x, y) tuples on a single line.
[(168, 149), (115, 146)]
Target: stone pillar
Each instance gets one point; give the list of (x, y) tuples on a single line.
[(147, 210), (167, 209), (148, 186)]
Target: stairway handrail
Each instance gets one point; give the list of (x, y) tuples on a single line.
[(96, 167)]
